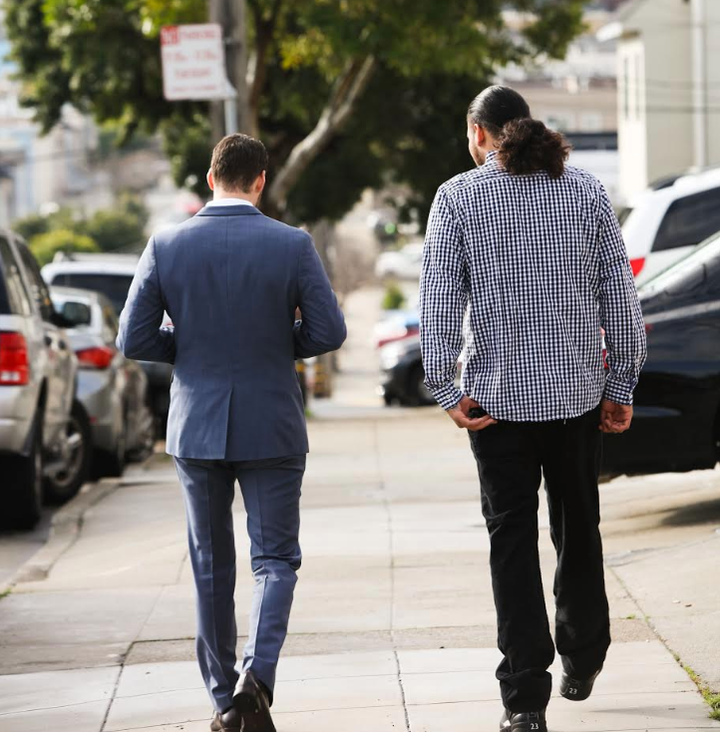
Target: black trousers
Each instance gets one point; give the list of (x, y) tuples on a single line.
[(512, 458)]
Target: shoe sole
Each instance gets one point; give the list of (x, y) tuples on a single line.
[(573, 693), (254, 719), (525, 727)]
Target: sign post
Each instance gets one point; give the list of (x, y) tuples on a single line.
[(193, 63)]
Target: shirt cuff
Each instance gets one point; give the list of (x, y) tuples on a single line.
[(448, 396), (619, 391)]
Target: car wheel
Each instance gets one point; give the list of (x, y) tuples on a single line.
[(418, 395), (63, 485), (112, 464), (25, 493)]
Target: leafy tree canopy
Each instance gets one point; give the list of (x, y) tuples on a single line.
[(46, 246), (343, 92)]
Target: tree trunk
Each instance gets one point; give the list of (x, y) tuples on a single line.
[(347, 92)]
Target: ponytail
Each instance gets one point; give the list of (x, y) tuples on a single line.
[(526, 145)]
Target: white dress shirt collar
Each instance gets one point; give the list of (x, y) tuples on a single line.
[(229, 202)]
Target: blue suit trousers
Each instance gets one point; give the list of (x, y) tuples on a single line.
[(271, 492)]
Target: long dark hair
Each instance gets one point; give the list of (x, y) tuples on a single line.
[(525, 145)]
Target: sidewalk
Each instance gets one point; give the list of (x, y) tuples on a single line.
[(393, 627)]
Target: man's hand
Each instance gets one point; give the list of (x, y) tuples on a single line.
[(461, 416), (615, 418)]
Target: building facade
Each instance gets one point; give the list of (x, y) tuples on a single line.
[(39, 172), (668, 55)]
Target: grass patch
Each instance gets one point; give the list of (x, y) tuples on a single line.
[(711, 699), (631, 617), (5, 593)]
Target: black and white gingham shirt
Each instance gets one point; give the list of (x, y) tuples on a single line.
[(541, 266)]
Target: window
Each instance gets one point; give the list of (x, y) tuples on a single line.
[(14, 298), (38, 288), (114, 287), (689, 221)]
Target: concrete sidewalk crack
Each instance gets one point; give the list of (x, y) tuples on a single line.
[(391, 550)]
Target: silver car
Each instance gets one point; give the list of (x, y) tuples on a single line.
[(43, 435), (112, 389)]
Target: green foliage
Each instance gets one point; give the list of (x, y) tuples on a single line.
[(35, 224), (109, 230), (188, 145), (103, 57), (31, 226), (119, 227), (45, 246), (394, 297)]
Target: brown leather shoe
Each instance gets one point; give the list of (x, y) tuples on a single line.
[(252, 703)]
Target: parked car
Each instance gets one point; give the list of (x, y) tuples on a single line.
[(405, 263), (402, 375), (667, 221), (677, 401), (397, 325), (112, 389), (112, 274), (44, 432)]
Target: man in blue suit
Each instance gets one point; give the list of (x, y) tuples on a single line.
[(231, 280)]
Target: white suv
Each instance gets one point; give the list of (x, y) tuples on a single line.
[(112, 274), (665, 222)]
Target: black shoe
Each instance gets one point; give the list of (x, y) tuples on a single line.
[(577, 690), (251, 704), (523, 722), (234, 722)]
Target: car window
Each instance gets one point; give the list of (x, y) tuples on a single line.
[(14, 297), (38, 288), (689, 221), (114, 287), (685, 273), (624, 215)]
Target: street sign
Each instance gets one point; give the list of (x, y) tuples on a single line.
[(193, 61)]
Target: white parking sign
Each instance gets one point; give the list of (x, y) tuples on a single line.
[(193, 61)]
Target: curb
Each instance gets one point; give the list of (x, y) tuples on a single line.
[(65, 528)]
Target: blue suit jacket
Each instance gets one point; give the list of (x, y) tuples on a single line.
[(231, 279)]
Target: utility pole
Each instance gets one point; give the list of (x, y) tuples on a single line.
[(232, 114)]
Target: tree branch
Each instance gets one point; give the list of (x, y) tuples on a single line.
[(346, 93), (264, 31)]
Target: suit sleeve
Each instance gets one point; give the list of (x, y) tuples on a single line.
[(140, 336), (322, 328)]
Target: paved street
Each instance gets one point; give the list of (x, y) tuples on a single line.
[(393, 627)]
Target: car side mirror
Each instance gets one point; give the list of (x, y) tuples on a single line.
[(72, 315)]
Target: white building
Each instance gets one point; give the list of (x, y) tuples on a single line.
[(576, 95), (668, 88), (39, 171)]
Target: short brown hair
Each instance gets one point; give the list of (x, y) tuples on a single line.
[(237, 162)]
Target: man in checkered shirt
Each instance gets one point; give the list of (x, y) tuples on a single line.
[(531, 249)]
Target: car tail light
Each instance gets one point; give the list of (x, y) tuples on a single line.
[(14, 365), (95, 358), (637, 266)]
